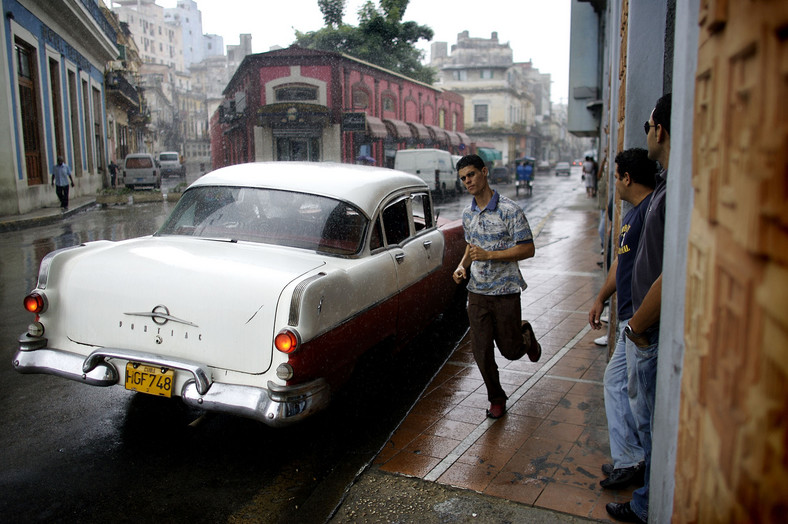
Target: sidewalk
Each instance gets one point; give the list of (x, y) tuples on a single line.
[(541, 462), (47, 215)]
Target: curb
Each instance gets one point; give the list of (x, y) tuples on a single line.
[(44, 217)]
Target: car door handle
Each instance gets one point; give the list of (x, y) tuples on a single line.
[(427, 244), (399, 257)]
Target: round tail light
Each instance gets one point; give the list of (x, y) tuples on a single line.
[(35, 303), (287, 341)]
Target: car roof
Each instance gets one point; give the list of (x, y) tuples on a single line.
[(363, 186)]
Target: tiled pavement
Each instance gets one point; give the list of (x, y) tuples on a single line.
[(548, 449)]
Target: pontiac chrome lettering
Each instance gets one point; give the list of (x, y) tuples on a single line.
[(161, 315)]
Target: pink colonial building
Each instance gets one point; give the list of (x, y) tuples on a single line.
[(303, 104)]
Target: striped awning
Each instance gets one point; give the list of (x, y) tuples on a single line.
[(438, 133), (454, 138), (419, 130), (398, 128), (376, 128)]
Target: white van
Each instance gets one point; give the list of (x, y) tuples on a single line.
[(170, 164), (139, 169), (434, 166)]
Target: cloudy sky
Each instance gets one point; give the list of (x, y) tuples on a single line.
[(537, 30)]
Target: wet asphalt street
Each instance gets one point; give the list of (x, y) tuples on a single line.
[(75, 453)]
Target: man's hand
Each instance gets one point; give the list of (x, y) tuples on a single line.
[(595, 313), (459, 274), (477, 253)]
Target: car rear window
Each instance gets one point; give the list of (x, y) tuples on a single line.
[(138, 162), (268, 216), (172, 157)]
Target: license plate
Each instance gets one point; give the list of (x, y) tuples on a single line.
[(149, 379), (140, 179)]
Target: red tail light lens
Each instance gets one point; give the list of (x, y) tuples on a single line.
[(35, 303), (287, 341)]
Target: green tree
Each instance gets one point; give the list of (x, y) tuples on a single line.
[(332, 10), (381, 38)]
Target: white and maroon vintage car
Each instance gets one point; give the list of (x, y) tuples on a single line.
[(257, 295)]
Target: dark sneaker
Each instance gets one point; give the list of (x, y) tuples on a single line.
[(622, 477), (607, 469), (623, 512), (529, 341), (496, 410)]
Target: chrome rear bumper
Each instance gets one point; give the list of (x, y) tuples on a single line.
[(276, 406)]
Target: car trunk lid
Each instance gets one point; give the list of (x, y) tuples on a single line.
[(212, 302)]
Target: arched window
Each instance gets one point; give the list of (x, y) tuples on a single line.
[(360, 99)]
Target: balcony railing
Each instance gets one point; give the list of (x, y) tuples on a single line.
[(95, 11), (118, 83)]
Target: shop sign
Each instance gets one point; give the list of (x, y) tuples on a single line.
[(354, 122)]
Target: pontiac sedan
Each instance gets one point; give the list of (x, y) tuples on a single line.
[(258, 294)]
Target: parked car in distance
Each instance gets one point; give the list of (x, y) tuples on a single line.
[(170, 164), (500, 175), (258, 294), (139, 169), (543, 165), (562, 168), (434, 166)]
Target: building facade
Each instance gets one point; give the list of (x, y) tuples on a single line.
[(501, 96), (302, 104), (52, 60), (720, 438), (159, 41), (127, 111), (186, 16)]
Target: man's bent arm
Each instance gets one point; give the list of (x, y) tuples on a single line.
[(512, 254), (648, 312), (608, 288)]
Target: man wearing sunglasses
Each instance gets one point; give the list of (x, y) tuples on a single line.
[(642, 331)]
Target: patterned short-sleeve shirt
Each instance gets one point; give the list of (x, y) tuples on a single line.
[(501, 225)]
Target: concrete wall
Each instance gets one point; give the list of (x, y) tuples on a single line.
[(585, 81)]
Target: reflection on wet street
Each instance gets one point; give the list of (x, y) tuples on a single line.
[(72, 452)]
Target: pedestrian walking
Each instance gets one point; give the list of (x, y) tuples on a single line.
[(642, 331), (113, 173), (497, 236), (61, 175), (589, 176), (634, 183)]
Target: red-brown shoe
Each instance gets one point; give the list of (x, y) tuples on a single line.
[(529, 339), (496, 410)]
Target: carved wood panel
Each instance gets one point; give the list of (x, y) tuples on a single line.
[(732, 460)]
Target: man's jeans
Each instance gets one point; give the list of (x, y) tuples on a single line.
[(625, 448), (646, 365)]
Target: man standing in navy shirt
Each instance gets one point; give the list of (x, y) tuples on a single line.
[(635, 180), (642, 331), (498, 236)]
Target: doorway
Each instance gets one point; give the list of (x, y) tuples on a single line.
[(303, 149)]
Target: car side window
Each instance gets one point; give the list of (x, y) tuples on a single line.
[(396, 221), (376, 239), (422, 211)]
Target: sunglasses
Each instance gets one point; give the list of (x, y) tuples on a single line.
[(648, 126)]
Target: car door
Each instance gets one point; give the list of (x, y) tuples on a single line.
[(417, 248)]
